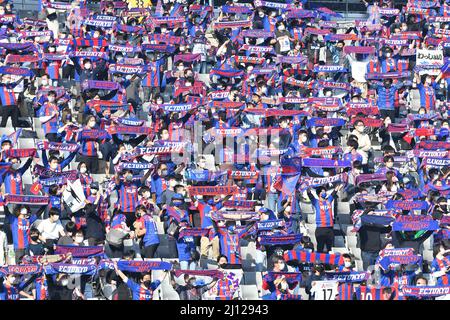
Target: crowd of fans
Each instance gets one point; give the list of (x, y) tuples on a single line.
[(145, 149)]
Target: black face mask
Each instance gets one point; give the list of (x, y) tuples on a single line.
[(223, 265), (34, 238), (147, 284)]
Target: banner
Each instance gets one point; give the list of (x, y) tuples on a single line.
[(136, 265), (325, 163), (435, 162), (56, 268), (213, 190), (415, 223), (234, 216), (313, 182), (79, 251), (347, 276), (390, 261), (280, 239), (325, 122), (239, 204), (407, 205), (24, 269), (23, 72), (47, 145), (425, 291), (22, 199), (313, 257), (201, 273), (429, 57)]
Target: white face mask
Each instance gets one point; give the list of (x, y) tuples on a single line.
[(172, 183), (12, 279), (79, 239), (261, 14), (64, 282), (45, 82), (83, 170), (284, 286), (51, 99), (347, 264), (23, 211), (87, 66)]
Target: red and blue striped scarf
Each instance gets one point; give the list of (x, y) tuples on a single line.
[(313, 257)]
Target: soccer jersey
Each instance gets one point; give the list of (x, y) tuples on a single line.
[(140, 293)]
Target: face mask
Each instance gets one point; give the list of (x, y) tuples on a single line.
[(428, 81), (282, 265), (44, 82), (87, 66), (34, 238), (23, 211), (79, 239), (12, 279), (163, 172), (388, 55), (83, 170), (347, 264), (64, 282), (281, 27), (147, 283), (261, 14), (172, 183), (201, 164), (51, 99), (222, 265), (15, 166), (129, 178), (94, 191), (323, 194)]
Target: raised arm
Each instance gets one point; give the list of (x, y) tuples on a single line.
[(120, 273)]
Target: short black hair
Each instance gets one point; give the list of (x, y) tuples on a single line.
[(353, 143), (53, 212), (220, 257), (70, 227)]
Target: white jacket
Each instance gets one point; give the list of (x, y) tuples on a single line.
[(3, 248)]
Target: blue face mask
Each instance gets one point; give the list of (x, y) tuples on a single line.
[(211, 202), (323, 194)]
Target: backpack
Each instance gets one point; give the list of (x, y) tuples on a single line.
[(115, 237)]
